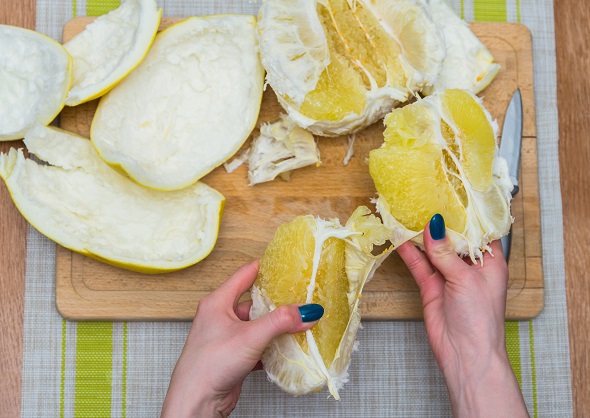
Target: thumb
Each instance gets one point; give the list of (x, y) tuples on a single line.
[(285, 319), (440, 251)]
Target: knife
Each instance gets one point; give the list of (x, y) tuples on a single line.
[(510, 147)]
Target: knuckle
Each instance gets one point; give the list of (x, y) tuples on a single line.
[(414, 262), (281, 317), (443, 251)]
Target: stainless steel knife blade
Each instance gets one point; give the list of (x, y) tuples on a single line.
[(510, 149)]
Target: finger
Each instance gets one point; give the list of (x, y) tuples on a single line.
[(496, 256), (240, 282), (416, 262), (243, 310), (494, 265), (285, 319), (441, 253), (431, 283)]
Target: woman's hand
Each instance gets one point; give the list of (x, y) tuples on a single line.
[(464, 306), (223, 347)]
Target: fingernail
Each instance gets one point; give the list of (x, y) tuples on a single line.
[(437, 227), (311, 312)]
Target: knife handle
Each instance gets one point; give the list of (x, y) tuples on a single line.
[(506, 241)]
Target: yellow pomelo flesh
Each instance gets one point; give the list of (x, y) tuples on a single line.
[(337, 94), (316, 260), (411, 177), (331, 292), (438, 157), (285, 273), (362, 56), (494, 206), (357, 35), (476, 134)]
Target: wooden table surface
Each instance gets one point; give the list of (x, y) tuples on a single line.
[(573, 92)]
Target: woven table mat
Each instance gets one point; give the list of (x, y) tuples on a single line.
[(91, 369)]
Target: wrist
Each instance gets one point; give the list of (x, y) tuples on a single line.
[(182, 403), (473, 364), (484, 388)]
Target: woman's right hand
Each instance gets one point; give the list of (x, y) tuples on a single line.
[(464, 310)]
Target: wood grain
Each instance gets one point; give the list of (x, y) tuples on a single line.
[(573, 97), (13, 234), (90, 290)]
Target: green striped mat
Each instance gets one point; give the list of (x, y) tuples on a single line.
[(122, 369)]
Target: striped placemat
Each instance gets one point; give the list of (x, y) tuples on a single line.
[(122, 369)]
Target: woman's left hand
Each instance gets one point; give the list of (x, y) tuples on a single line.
[(223, 347)]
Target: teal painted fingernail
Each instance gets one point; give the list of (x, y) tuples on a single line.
[(437, 227), (311, 312)]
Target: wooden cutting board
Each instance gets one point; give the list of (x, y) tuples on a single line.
[(90, 290)]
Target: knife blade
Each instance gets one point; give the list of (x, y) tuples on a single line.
[(510, 149)]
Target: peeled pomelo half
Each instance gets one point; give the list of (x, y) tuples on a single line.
[(110, 47), (81, 203), (440, 156), (188, 107), (311, 260), (35, 76), (340, 65)]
